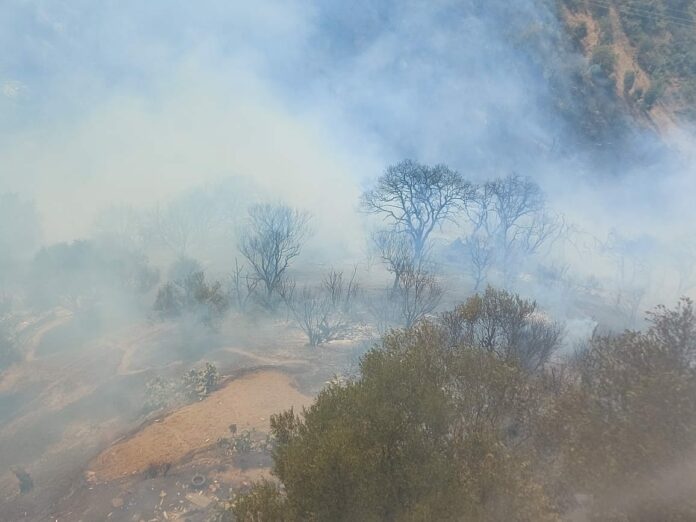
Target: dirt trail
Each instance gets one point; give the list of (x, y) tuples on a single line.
[(247, 402), (660, 117), (272, 361), (132, 345), (626, 61), (34, 341), (31, 336)]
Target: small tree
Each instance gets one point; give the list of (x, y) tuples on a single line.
[(264, 503), (176, 227), (385, 311), (421, 434), (396, 252), (632, 274), (416, 198), (510, 215), (198, 384), (626, 426), (192, 296), (505, 325), (273, 238), (653, 94), (159, 393), (604, 56), (79, 274), (123, 226), (324, 314), (242, 287), (481, 256), (417, 295), (683, 258)]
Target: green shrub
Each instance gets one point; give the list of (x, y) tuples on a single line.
[(604, 56), (264, 503), (606, 32), (193, 297), (198, 384), (653, 94), (159, 393), (408, 441)]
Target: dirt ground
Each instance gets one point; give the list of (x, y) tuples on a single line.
[(148, 474), (71, 416), (247, 402)]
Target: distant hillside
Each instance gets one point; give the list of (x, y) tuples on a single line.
[(645, 50)]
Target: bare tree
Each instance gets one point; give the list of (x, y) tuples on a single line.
[(121, 225), (511, 214), (180, 224), (481, 256), (384, 312), (418, 294), (341, 292), (325, 313), (633, 272), (242, 287), (311, 311), (683, 259), (416, 198), (395, 251), (272, 239)]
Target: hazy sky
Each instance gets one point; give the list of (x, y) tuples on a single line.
[(134, 101), (108, 102)]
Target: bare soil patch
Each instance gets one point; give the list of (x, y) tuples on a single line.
[(247, 402)]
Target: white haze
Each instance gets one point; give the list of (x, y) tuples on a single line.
[(110, 103)]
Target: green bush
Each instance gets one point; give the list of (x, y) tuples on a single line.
[(264, 503), (193, 297), (410, 440), (434, 429), (653, 94), (198, 384), (604, 56), (606, 32)]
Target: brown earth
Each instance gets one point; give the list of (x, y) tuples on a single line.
[(80, 406), (247, 402), (660, 116)]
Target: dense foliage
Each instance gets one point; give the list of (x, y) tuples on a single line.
[(192, 297), (436, 430)]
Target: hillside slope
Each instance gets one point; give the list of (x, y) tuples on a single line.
[(644, 50)]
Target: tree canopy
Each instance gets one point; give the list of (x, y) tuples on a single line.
[(437, 427), (415, 199)]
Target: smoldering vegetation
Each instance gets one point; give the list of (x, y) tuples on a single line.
[(452, 422), (437, 217), (512, 366)]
